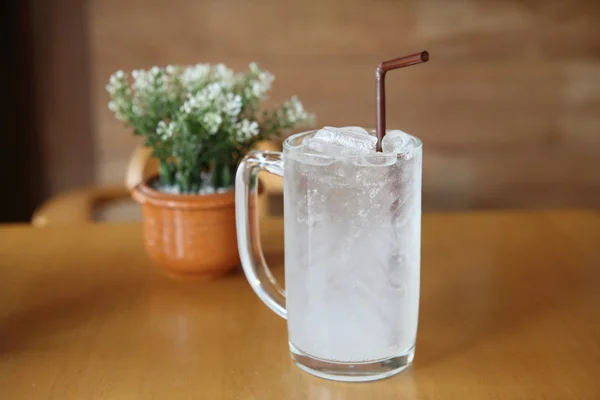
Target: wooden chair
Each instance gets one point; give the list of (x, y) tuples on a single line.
[(82, 205)]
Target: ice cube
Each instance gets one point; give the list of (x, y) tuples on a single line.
[(349, 140), (326, 149), (310, 156), (376, 160), (399, 142)]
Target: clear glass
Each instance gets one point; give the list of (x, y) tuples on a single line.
[(352, 257)]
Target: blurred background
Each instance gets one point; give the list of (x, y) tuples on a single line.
[(508, 107)]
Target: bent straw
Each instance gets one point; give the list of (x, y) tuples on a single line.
[(382, 68)]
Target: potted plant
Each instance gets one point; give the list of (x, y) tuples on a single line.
[(199, 122)]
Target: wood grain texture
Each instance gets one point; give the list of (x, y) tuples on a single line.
[(509, 310), (507, 106)]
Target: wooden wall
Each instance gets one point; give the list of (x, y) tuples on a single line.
[(508, 107)]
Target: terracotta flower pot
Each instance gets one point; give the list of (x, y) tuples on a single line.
[(189, 235)]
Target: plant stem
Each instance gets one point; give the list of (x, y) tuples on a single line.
[(222, 176), (165, 173)]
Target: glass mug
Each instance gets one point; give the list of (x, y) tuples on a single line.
[(352, 227)]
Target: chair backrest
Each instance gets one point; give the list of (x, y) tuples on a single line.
[(141, 166), (91, 204)]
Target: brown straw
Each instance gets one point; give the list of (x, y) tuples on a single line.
[(382, 68)]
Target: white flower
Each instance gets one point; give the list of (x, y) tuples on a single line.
[(295, 111), (195, 76), (119, 91), (260, 83), (171, 69), (141, 79), (224, 75), (246, 129), (137, 108), (212, 122), (164, 130), (116, 79), (249, 92), (266, 80), (255, 89), (117, 83), (233, 105), (212, 91), (210, 95), (149, 85), (193, 103), (118, 107), (254, 68), (170, 130)]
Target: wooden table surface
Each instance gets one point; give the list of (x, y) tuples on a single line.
[(510, 309)]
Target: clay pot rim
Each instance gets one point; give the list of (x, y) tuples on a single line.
[(144, 193)]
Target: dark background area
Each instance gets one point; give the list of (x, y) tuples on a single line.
[(19, 152), (46, 104)]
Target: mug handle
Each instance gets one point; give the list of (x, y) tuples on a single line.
[(251, 255)]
